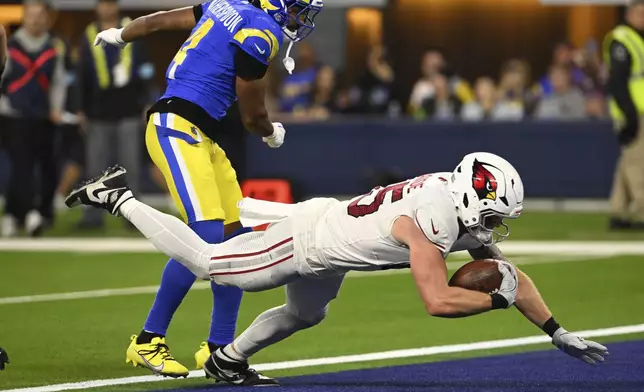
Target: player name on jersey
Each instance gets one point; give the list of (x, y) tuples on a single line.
[(226, 14)]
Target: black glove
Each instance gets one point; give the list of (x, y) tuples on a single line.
[(628, 133), (4, 358)]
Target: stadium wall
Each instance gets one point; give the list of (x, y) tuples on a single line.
[(555, 159), (570, 160)]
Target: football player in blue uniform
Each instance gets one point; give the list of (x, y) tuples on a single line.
[(222, 63)]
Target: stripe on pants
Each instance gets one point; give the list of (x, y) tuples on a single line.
[(178, 169)]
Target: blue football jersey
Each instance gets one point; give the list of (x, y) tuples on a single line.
[(203, 71)]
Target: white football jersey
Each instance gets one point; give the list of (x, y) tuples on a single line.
[(356, 234)]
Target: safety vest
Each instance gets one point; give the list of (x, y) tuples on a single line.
[(103, 72), (632, 40)]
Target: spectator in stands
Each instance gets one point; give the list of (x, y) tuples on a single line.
[(515, 100), (588, 60), (324, 94), (442, 104), (375, 86), (564, 54), (34, 86), (113, 85), (71, 145), (566, 102), (297, 90), (347, 97), (485, 103), (596, 107), (434, 68)]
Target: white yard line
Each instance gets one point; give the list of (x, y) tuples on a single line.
[(378, 356), (114, 292)]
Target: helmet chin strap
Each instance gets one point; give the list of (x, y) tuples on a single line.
[(288, 61)]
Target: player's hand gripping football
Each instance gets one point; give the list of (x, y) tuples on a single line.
[(510, 282), (575, 346), (112, 37), (277, 138)]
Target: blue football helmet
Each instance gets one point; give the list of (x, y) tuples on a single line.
[(295, 17)]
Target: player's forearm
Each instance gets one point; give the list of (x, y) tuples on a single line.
[(529, 301), (441, 300), (252, 106), (259, 125), (455, 302), (179, 19)]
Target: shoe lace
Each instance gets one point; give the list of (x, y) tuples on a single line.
[(161, 349)]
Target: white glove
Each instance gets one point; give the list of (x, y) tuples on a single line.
[(510, 282), (575, 346), (112, 37), (277, 138)]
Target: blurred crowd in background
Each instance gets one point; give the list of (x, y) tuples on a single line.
[(573, 88), (99, 120)]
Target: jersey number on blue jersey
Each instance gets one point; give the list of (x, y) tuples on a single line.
[(190, 43)]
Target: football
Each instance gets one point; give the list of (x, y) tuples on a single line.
[(478, 275)]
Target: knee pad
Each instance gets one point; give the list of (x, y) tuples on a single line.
[(310, 317)]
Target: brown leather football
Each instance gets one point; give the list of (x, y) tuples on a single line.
[(478, 275)]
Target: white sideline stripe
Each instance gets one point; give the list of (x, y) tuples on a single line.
[(135, 245), (206, 285), (378, 356)]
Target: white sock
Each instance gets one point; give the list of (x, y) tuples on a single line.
[(169, 235)]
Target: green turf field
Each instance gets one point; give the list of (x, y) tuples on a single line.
[(59, 341), (85, 339)]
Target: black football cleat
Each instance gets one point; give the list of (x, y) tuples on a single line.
[(221, 367), (108, 191), (4, 358)]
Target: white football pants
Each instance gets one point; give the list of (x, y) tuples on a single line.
[(253, 261)]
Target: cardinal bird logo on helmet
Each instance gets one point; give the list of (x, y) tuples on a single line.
[(483, 181)]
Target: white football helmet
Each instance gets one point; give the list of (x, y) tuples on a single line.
[(486, 189)]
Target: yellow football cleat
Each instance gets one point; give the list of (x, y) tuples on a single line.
[(202, 355), (156, 357)]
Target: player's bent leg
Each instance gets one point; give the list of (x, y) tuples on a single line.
[(306, 305)]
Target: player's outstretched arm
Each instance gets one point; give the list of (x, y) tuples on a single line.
[(177, 19), (533, 307), (430, 274)]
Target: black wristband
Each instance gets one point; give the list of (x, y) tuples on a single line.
[(550, 326), (498, 301)]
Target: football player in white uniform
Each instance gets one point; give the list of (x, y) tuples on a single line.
[(310, 246)]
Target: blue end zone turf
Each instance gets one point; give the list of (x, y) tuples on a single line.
[(550, 371)]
